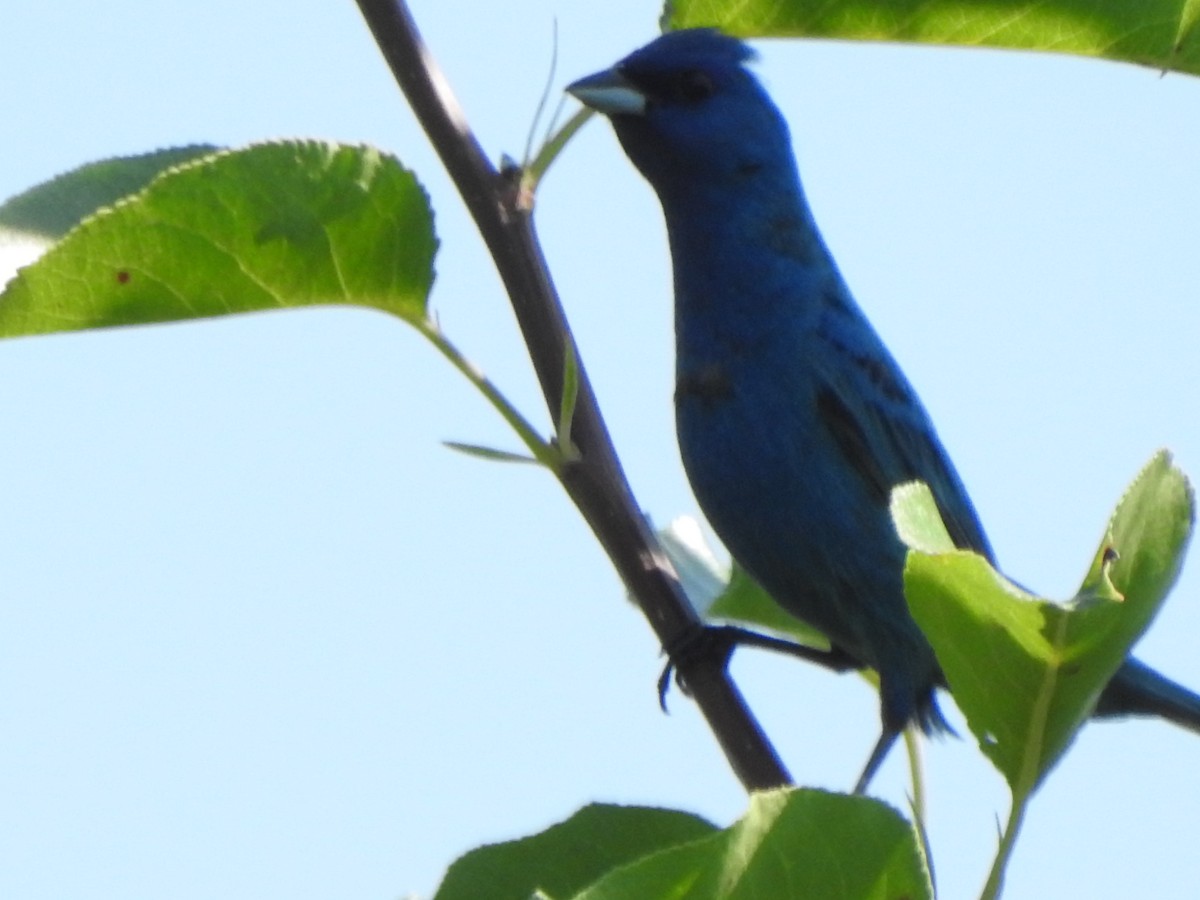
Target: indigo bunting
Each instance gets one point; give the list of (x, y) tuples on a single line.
[(794, 421)]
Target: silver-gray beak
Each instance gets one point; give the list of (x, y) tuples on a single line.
[(610, 93)]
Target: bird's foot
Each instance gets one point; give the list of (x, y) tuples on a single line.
[(716, 643), (703, 642)]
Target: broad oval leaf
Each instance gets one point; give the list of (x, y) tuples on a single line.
[(791, 843), (1025, 671), (271, 226), (1163, 34), (570, 855)]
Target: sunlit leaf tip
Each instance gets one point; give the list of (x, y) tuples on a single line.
[(917, 519), (1151, 527)]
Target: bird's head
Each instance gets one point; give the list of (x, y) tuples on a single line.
[(689, 114)]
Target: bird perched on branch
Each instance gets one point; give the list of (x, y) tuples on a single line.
[(794, 421)]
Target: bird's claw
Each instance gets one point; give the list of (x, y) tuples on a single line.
[(717, 641)]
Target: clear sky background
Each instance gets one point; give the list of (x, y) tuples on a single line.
[(261, 635)]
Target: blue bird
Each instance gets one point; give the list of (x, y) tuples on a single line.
[(794, 421)]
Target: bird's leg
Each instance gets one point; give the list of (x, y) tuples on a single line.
[(882, 746), (722, 640)]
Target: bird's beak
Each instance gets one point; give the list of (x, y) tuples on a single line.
[(609, 92)]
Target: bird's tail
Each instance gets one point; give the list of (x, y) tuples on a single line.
[(1138, 690)]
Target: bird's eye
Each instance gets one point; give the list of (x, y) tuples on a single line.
[(695, 85)]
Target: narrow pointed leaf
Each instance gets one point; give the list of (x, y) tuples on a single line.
[(570, 396), (492, 454)]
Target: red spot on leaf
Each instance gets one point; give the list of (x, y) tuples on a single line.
[(122, 276)]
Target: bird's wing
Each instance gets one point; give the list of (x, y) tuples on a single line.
[(887, 437)]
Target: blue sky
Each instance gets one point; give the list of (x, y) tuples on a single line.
[(262, 635)]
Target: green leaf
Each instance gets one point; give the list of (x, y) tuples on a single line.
[(570, 396), (274, 225), (1150, 531), (744, 600), (791, 843), (569, 856), (1162, 34), (1027, 672), (492, 454), (727, 593), (53, 208), (917, 520)]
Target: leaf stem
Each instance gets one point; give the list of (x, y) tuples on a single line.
[(916, 771), (550, 150), (542, 452), (1016, 816)]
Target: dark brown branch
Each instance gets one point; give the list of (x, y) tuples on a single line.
[(596, 482)]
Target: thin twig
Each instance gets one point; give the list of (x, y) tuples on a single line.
[(595, 482)]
